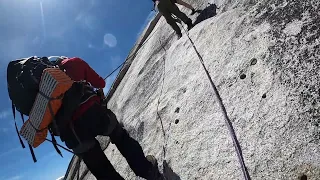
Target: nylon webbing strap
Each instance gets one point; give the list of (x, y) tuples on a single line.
[(13, 111), (54, 142), (30, 147), (15, 124), (32, 153), (60, 146), (21, 142)]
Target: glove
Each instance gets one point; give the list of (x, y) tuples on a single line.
[(100, 93)]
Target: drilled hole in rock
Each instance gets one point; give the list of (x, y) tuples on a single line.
[(184, 90), (264, 95), (177, 110), (253, 61), (243, 76), (264, 56), (176, 121), (303, 177)]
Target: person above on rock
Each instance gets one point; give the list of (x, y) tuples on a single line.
[(90, 119), (167, 8)]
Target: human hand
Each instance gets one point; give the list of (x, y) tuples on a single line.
[(100, 93)]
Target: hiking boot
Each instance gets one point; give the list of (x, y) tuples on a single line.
[(193, 12), (154, 173), (190, 25)]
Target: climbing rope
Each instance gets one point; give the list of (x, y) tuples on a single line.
[(129, 57), (163, 77), (227, 120), (115, 69)]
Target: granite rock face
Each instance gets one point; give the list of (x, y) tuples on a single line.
[(264, 58)]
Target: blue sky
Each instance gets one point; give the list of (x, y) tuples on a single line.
[(102, 32)]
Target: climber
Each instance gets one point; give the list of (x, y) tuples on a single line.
[(91, 119), (167, 8)]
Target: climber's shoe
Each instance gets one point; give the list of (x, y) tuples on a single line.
[(179, 34), (193, 12), (190, 25), (154, 173)]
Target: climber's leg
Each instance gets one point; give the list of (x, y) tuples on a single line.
[(98, 163), (167, 15)]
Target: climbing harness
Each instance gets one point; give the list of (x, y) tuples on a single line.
[(227, 120)]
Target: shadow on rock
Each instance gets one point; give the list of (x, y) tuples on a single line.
[(168, 172), (207, 13)]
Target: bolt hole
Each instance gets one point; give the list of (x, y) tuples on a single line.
[(303, 177), (177, 110), (184, 90), (243, 76), (253, 61), (264, 96), (176, 121)]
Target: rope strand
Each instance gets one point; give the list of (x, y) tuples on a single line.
[(227, 120), (130, 55)]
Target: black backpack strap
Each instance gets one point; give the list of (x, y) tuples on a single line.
[(30, 147), (54, 143), (21, 142), (15, 124), (32, 153)]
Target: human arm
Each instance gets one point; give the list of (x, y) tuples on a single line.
[(93, 78), (78, 69)]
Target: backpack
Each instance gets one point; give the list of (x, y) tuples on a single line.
[(23, 79)]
